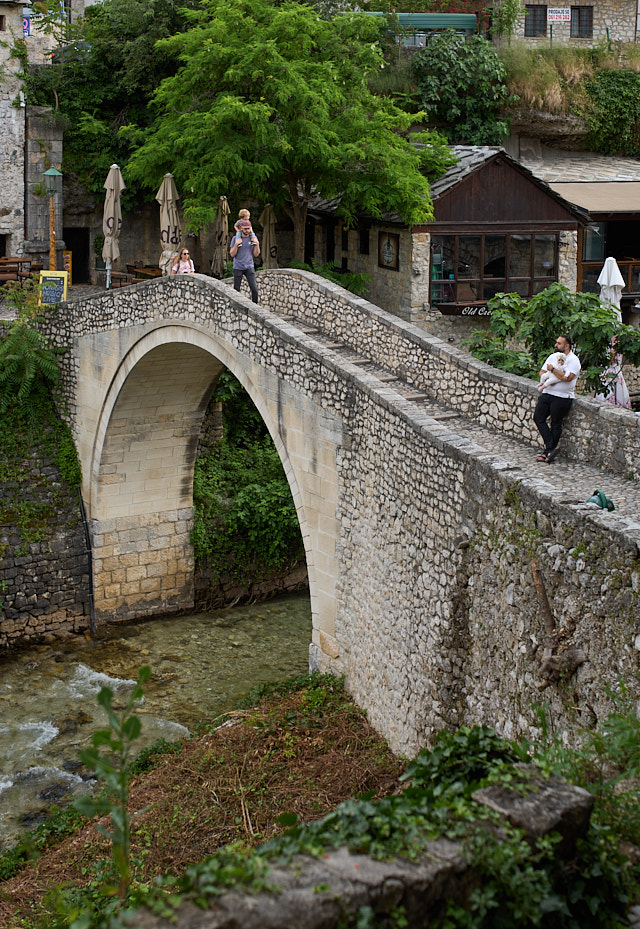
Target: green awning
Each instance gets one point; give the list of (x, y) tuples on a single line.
[(426, 22)]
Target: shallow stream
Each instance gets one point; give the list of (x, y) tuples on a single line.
[(201, 663)]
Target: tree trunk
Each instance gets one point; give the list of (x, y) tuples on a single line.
[(299, 207), (299, 229)]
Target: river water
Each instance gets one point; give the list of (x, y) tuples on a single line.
[(202, 663)]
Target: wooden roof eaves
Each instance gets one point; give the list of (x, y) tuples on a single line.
[(582, 216)]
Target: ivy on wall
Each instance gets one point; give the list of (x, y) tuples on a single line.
[(612, 110)]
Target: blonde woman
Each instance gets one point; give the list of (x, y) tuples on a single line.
[(183, 263)]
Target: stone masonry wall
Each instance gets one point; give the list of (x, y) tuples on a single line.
[(403, 292), (12, 128), (436, 621), (612, 19), (511, 658), (44, 585), (605, 436)]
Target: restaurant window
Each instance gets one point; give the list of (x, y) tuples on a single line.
[(472, 268), (535, 22), (593, 242), (345, 239), (364, 240), (581, 22)]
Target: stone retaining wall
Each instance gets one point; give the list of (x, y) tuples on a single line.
[(44, 586)]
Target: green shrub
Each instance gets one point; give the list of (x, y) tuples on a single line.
[(26, 363), (612, 110), (462, 83), (533, 325), (245, 521)]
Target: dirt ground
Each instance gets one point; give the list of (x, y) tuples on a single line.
[(302, 752)]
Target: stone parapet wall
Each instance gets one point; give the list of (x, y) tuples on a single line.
[(604, 436)]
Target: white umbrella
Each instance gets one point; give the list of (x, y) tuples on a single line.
[(269, 248), (170, 230), (611, 283), (220, 238), (112, 218)]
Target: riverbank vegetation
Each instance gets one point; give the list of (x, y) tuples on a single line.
[(297, 753), (38, 460), (245, 521)]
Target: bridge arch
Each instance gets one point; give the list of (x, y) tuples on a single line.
[(422, 588), (139, 480)]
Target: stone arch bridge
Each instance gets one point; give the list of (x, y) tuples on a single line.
[(413, 474)]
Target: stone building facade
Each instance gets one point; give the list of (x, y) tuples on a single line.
[(496, 227), (583, 23), (12, 131)]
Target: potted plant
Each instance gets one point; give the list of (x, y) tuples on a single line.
[(98, 243)]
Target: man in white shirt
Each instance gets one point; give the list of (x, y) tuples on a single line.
[(556, 398)]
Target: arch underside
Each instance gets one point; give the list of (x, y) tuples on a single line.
[(142, 464)]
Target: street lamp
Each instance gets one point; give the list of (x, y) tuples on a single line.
[(53, 186)]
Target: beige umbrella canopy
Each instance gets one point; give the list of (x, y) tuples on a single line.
[(170, 229), (220, 238), (269, 247), (112, 218)]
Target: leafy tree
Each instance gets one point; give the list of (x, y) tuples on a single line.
[(505, 17), (462, 86), (534, 325), (273, 101), (102, 77)]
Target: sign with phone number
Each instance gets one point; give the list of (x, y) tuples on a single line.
[(561, 14)]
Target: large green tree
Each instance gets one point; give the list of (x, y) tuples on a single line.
[(272, 101), (103, 77)]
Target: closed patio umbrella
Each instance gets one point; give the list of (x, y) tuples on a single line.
[(170, 229), (112, 218), (269, 247), (220, 238), (611, 283)]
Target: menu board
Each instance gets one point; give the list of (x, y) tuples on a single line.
[(53, 286)]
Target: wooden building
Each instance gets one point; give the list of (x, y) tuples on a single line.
[(496, 228)]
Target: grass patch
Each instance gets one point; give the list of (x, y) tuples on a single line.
[(214, 815), (302, 748)]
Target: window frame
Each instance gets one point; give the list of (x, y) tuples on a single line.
[(449, 286), (533, 29), (577, 28)]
